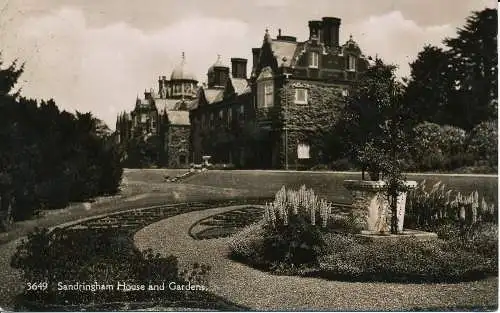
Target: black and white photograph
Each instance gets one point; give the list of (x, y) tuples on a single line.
[(231, 155)]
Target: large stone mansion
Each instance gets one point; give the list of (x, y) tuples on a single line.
[(270, 119)]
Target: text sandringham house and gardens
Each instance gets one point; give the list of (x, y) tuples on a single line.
[(268, 120)]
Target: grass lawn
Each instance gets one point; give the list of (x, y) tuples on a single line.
[(330, 184)]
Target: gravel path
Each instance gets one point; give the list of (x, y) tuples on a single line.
[(262, 291)]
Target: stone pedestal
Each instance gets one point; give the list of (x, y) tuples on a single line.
[(206, 160), (371, 207)]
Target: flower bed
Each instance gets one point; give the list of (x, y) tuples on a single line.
[(299, 237)]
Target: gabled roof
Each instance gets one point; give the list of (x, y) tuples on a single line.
[(240, 85), (213, 95), (167, 104), (178, 118), (284, 51)]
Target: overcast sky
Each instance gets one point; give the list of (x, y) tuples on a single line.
[(97, 55)]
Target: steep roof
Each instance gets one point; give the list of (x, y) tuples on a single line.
[(240, 85), (213, 95), (283, 49), (178, 117), (167, 104)]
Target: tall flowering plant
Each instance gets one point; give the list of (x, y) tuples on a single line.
[(302, 202), (437, 204), (292, 233)]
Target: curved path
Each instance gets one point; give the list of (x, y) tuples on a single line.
[(262, 291)]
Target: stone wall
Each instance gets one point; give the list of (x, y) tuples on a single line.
[(178, 146), (307, 123)]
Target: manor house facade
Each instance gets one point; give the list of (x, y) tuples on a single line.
[(272, 118)]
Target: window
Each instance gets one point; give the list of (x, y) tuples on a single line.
[(352, 63), (241, 113), (211, 122), (143, 118), (301, 96), (265, 94), (182, 159), (229, 115), (221, 114), (303, 151), (345, 92), (313, 59)]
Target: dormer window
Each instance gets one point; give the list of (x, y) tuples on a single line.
[(352, 63), (313, 59)]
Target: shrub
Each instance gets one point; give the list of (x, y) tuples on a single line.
[(298, 242), (342, 165), (70, 256), (247, 245), (291, 236), (404, 260), (437, 147), (483, 142)]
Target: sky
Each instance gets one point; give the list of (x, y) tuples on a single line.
[(99, 55)]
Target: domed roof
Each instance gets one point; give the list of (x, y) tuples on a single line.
[(217, 63), (182, 72)]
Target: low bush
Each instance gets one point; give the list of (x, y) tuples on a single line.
[(96, 257), (404, 260)]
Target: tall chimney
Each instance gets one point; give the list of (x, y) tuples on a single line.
[(315, 29), (331, 29), (256, 54), (239, 68)]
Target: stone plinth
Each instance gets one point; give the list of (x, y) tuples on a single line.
[(407, 233), (371, 207)]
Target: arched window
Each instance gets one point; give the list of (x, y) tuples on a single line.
[(265, 88), (352, 63)]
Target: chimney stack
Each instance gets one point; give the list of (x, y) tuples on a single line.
[(256, 54), (331, 29), (239, 68)]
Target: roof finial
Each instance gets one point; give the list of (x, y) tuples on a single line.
[(183, 56), (350, 37)]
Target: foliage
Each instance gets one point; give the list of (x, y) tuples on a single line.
[(87, 256), (436, 147), (377, 126), (247, 245), (483, 142), (291, 235), (143, 152), (402, 260), (458, 85), (50, 157), (441, 205)]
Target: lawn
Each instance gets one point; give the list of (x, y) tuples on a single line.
[(330, 184)]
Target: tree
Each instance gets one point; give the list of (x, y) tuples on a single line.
[(378, 122), (49, 157), (374, 110), (474, 60), (428, 93), (458, 85)]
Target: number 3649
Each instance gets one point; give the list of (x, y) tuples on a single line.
[(37, 286)]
